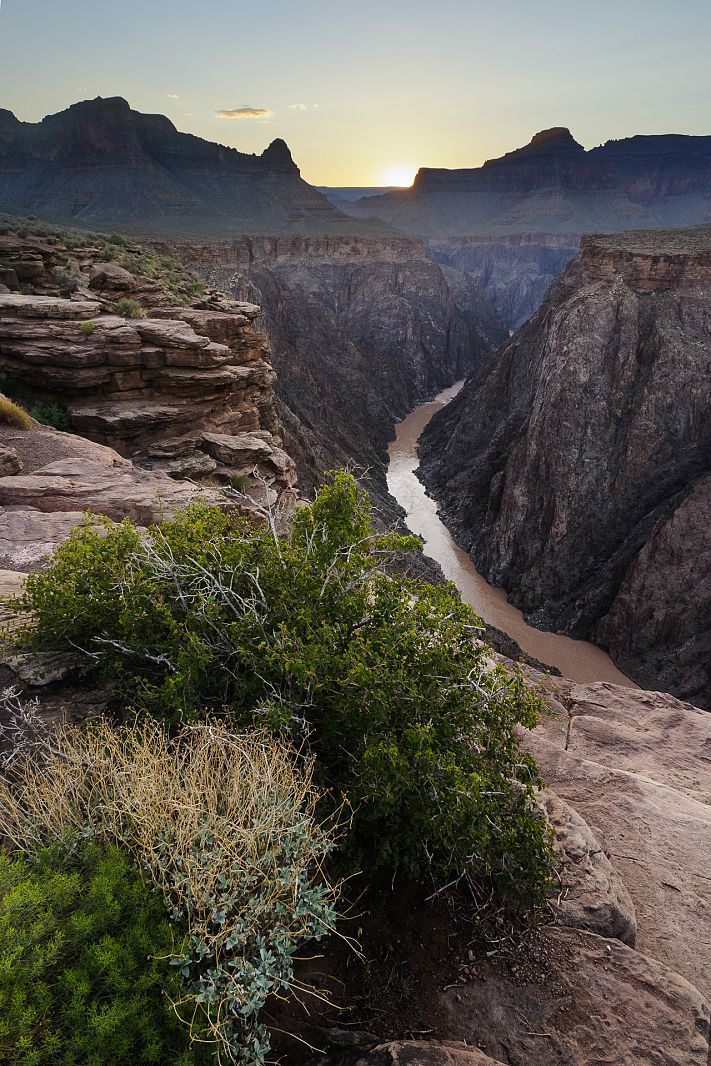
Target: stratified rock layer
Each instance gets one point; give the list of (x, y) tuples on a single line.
[(575, 465), (165, 390)]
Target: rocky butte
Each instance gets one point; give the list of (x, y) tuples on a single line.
[(576, 464)]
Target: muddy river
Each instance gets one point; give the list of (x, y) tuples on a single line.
[(576, 659)]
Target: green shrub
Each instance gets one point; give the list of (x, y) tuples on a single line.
[(11, 414), (87, 328), (81, 978), (66, 281), (52, 414), (224, 826), (379, 676), (129, 308)]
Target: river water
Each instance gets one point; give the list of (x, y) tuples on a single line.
[(576, 659)]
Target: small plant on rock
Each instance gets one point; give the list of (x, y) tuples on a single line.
[(87, 328), (11, 414), (129, 308)]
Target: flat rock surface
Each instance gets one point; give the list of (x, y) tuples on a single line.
[(624, 772), (591, 1001), (589, 893)]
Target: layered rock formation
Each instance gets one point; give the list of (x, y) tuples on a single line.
[(515, 272), (101, 164), (552, 185), (357, 341), (188, 392), (515, 222), (575, 466), (59, 477)]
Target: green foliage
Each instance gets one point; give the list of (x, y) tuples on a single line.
[(223, 824), (66, 281), (82, 980), (87, 328), (129, 308), (380, 676), (11, 414), (46, 412)]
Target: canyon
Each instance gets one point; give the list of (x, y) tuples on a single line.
[(575, 465), (360, 332)]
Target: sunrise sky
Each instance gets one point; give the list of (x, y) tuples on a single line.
[(366, 92)]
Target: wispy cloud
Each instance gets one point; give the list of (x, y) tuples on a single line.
[(172, 96), (245, 112), (297, 107)]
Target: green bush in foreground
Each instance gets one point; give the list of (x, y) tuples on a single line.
[(222, 824), (307, 635), (79, 979)]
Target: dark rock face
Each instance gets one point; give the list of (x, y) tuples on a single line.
[(357, 344), (101, 164), (515, 273), (574, 465)]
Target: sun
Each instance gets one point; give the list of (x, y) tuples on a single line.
[(400, 175)]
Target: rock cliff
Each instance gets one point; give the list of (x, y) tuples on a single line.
[(575, 464), (101, 164)]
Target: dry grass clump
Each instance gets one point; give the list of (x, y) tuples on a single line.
[(225, 826), (11, 414)]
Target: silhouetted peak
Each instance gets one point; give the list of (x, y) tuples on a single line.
[(278, 153)]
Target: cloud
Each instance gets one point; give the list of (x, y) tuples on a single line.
[(297, 107), (172, 96), (245, 112)]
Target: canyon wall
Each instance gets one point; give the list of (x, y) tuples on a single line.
[(575, 465), (357, 340)]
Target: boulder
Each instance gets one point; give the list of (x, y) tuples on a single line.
[(28, 536), (589, 894), (110, 276), (578, 999), (10, 462), (654, 824)]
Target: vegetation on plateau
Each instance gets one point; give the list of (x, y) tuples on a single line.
[(174, 279), (296, 704)]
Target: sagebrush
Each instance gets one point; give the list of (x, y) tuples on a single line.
[(223, 826)]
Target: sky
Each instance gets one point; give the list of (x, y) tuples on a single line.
[(366, 92)]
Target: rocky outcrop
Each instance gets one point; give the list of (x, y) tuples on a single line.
[(62, 478), (589, 893), (574, 465), (580, 999), (635, 766), (101, 164), (188, 392)]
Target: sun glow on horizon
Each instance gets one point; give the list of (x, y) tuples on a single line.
[(400, 175)]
